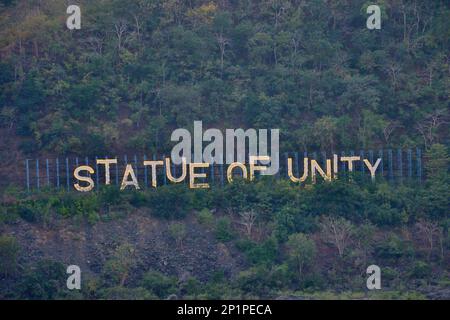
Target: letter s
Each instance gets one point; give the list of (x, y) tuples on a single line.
[(90, 182)]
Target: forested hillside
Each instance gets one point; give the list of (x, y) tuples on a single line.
[(139, 69)]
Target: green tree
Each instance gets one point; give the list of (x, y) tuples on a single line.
[(302, 252), (436, 196), (159, 284), (45, 280), (120, 265)]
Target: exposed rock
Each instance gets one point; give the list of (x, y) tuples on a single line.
[(90, 246)]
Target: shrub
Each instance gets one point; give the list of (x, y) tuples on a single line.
[(120, 265), (191, 288), (342, 198), (240, 195), (302, 252), (202, 198), (9, 250), (259, 253), (7, 214), (177, 232), (419, 270), (110, 195), (313, 281), (28, 213), (79, 205), (292, 219), (159, 284), (123, 293), (258, 281), (205, 217), (45, 281), (170, 202), (392, 248), (224, 231), (138, 199), (385, 215)]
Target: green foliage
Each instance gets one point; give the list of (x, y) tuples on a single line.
[(241, 64), (292, 218), (176, 62), (43, 208), (436, 197), (118, 268), (393, 248), (239, 195), (45, 281), (302, 252), (261, 281), (7, 215), (437, 163), (205, 217), (28, 213), (177, 232), (264, 253), (137, 199), (419, 270), (191, 288), (9, 250), (122, 293), (171, 202), (327, 198), (110, 195), (7, 2), (285, 257), (159, 284), (224, 232)]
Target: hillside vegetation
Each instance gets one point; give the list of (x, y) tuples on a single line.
[(265, 239), (139, 69)]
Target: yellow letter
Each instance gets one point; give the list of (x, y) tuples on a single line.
[(125, 182), (193, 175), (350, 161), (76, 173), (335, 165), (371, 168), (231, 168), (183, 170), (305, 171), (107, 162), (252, 161), (315, 166), (153, 165)]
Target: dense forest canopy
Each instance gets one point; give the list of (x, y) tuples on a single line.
[(139, 69), (136, 70)]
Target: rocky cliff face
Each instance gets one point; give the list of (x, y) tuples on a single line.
[(197, 254)]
